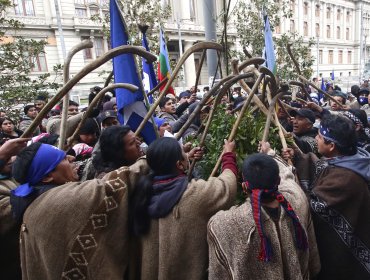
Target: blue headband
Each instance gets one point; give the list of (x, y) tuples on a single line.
[(46, 160), (325, 133), (159, 122)]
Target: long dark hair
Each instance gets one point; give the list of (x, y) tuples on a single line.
[(162, 156), (111, 155)]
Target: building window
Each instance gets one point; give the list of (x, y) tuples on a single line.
[(320, 56), (338, 14), (305, 28), (192, 10), (330, 58), (328, 13), (81, 12), (305, 8), (292, 25), (317, 11), (97, 50), (94, 11), (349, 57), (328, 31), (317, 30), (39, 63), (347, 33), (99, 46), (338, 32), (292, 6), (348, 18), (24, 8), (340, 57)]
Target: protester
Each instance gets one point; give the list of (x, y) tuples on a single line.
[(338, 192), (303, 129), (168, 112), (89, 132), (118, 147), (108, 118), (270, 236), (162, 126), (170, 214), (54, 122), (8, 130), (30, 112), (72, 229), (110, 106), (340, 97), (40, 102)]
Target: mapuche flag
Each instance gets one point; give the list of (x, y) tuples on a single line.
[(164, 69)]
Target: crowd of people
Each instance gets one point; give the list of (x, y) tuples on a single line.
[(109, 206)]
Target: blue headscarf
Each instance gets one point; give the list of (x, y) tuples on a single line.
[(46, 160)]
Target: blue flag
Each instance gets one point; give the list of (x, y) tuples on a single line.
[(131, 108), (332, 75), (149, 78), (269, 51), (323, 87)]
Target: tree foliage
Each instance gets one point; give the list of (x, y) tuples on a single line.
[(17, 59), (250, 25), (140, 12)]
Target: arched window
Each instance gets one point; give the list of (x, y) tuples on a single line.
[(338, 32), (317, 30)]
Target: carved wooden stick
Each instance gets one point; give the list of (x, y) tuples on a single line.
[(301, 85), (238, 120), (218, 98), (86, 70), (199, 107), (161, 83), (320, 90), (63, 125), (93, 104), (199, 70), (195, 48), (295, 62)]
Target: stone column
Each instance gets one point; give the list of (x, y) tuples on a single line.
[(190, 71)]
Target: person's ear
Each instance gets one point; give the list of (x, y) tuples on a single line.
[(180, 166), (47, 179), (331, 147)]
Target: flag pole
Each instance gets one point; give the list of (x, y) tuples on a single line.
[(146, 100)]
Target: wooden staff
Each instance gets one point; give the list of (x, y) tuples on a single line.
[(199, 70), (218, 98), (320, 90), (303, 88), (295, 62), (238, 120), (93, 104), (63, 125), (86, 70), (201, 103), (245, 87), (161, 83), (194, 48)]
